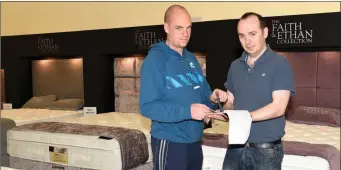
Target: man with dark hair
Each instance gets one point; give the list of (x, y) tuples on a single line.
[(261, 82), (261, 20), (175, 95)]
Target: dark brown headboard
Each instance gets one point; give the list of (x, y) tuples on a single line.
[(3, 98), (317, 78)]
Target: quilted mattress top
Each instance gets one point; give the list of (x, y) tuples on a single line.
[(313, 134), (24, 116)]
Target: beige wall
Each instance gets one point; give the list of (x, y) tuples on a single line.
[(18, 18)]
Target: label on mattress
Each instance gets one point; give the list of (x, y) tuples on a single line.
[(90, 110), (58, 155), (7, 106)]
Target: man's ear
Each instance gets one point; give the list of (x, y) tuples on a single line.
[(166, 27), (265, 32)]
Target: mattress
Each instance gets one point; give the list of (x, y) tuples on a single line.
[(25, 116), (82, 151), (214, 157), (118, 119)]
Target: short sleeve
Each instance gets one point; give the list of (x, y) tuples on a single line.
[(228, 83), (284, 77)]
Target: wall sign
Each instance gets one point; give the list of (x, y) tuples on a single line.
[(47, 45), (144, 39), (291, 32)]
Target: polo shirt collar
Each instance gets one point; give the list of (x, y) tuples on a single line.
[(262, 58)]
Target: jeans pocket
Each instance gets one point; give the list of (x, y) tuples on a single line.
[(268, 151), (272, 157)]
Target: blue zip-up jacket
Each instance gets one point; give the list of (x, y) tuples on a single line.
[(170, 83)]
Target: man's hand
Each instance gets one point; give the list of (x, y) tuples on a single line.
[(216, 115), (199, 111), (207, 120), (218, 93)]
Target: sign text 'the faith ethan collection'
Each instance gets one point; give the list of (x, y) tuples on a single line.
[(47, 45), (291, 33), (144, 39)]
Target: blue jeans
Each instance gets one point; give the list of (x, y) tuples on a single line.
[(250, 158)]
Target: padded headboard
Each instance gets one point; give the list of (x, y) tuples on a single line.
[(127, 81), (317, 78)]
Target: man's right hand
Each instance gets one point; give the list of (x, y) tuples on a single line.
[(199, 111)]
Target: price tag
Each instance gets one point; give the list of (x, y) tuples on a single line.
[(7, 106), (90, 110)]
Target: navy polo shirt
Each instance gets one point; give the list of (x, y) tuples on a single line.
[(252, 89)]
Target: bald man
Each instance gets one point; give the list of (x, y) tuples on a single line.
[(175, 95)]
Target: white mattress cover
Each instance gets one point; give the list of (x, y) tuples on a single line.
[(83, 151), (214, 158), (313, 134), (7, 168), (25, 116)]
